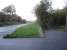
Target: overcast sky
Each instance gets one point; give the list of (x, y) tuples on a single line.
[(24, 8)]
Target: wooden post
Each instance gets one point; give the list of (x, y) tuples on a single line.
[(66, 22)]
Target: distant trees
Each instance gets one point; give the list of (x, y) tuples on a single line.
[(59, 18), (9, 10), (8, 16)]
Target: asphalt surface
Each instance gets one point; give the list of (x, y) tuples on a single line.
[(57, 40), (9, 29), (23, 44), (54, 40)]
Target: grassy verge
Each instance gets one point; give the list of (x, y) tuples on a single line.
[(60, 28), (28, 31)]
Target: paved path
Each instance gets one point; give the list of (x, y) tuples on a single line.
[(23, 44), (57, 40), (54, 41), (9, 29)]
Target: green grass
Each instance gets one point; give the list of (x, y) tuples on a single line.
[(28, 31), (60, 28)]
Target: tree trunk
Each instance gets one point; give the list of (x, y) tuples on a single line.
[(66, 23)]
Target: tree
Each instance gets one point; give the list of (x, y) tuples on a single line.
[(8, 16), (59, 17), (41, 12), (9, 10)]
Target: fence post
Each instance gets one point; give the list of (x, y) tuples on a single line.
[(66, 22)]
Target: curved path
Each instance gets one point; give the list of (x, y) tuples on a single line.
[(9, 29), (55, 40)]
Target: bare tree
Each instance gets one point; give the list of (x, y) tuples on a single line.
[(9, 10)]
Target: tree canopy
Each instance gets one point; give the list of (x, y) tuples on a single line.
[(41, 12), (47, 17), (9, 10), (8, 16)]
